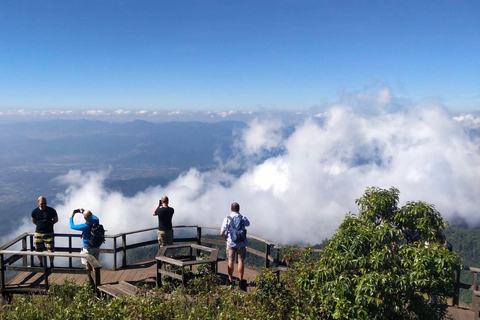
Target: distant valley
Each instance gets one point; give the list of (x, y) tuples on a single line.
[(139, 154)]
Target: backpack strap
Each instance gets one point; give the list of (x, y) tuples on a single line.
[(229, 224)]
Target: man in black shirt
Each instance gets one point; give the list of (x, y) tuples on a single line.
[(44, 218), (165, 230)]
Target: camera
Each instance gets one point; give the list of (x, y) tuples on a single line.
[(77, 211)]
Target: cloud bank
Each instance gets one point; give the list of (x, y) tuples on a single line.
[(301, 192)]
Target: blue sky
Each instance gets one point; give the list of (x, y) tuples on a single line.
[(235, 55)]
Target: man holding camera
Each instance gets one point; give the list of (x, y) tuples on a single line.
[(165, 229), (85, 227)]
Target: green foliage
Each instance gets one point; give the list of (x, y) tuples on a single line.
[(378, 205), (367, 272), (423, 218)]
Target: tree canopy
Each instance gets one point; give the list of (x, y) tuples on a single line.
[(369, 271)]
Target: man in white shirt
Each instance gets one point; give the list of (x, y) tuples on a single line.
[(235, 249)]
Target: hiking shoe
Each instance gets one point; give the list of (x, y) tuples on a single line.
[(243, 285)]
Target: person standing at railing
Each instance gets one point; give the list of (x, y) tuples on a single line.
[(44, 217), (165, 229), (233, 229), (86, 228)]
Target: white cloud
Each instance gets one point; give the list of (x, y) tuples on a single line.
[(469, 120), (122, 112), (96, 113), (225, 114), (175, 113), (262, 135), (303, 193)]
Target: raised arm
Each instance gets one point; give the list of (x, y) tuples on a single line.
[(159, 205)]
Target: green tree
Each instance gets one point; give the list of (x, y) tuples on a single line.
[(367, 271)]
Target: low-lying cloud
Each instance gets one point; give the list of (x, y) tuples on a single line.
[(301, 192)]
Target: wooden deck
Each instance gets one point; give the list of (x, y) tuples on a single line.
[(138, 273), (460, 314)]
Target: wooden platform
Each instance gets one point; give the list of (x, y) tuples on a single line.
[(138, 273), (460, 314), (144, 273)]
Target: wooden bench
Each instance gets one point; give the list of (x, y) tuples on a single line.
[(164, 263)]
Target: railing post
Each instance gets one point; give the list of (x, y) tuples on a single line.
[(474, 296), (24, 248), (97, 280), (69, 251), (159, 274), (32, 249), (2, 270), (115, 253), (45, 271), (456, 292), (199, 240), (267, 254), (199, 236), (124, 250), (277, 257)]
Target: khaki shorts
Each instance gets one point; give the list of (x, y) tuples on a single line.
[(165, 238), (234, 253), (93, 251)]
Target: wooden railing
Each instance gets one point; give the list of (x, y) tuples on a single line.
[(123, 248), (22, 248), (6, 264), (473, 287), (121, 243)]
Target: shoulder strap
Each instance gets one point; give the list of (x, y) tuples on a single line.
[(230, 219)]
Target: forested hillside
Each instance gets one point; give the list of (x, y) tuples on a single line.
[(466, 242)]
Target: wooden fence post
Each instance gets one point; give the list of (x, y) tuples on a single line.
[(2, 270), (267, 254), (115, 253), (199, 240), (474, 306), (70, 251), (24, 248), (124, 250), (456, 292), (31, 248)]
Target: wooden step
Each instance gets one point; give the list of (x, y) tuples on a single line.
[(120, 289)]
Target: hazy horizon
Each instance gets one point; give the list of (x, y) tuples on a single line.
[(297, 183)]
